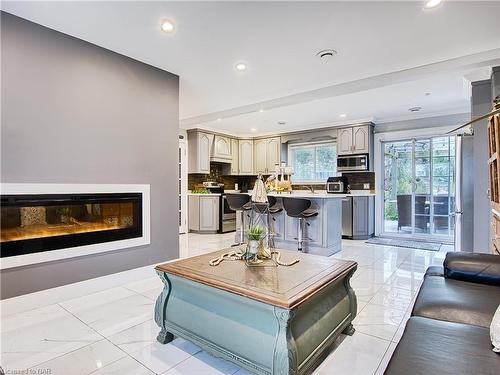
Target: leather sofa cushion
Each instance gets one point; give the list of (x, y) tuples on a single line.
[(476, 268), (431, 346), (457, 301), (435, 271)]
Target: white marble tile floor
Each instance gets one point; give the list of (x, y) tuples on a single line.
[(110, 330)]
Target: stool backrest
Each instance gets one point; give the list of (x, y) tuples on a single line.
[(271, 200), (295, 206), (237, 201)]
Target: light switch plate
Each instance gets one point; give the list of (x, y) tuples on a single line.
[(366, 186)]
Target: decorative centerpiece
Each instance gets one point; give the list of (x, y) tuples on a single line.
[(255, 243)]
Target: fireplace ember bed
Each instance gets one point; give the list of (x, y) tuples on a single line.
[(36, 223)]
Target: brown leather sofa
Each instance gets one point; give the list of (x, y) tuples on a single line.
[(449, 328)]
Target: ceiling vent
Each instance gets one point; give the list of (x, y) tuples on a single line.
[(281, 123), (414, 109), (326, 54)]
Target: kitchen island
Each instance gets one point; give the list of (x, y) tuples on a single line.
[(322, 233)]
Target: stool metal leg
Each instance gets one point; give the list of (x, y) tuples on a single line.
[(299, 235), (242, 228)]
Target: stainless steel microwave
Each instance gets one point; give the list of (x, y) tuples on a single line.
[(352, 163)]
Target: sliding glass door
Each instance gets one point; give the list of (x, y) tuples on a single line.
[(419, 186)]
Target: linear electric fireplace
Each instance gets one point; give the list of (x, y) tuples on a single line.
[(32, 223)]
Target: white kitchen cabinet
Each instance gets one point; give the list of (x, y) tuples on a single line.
[(273, 153), (246, 156), (259, 151), (267, 153), (221, 149), (354, 140), (361, 139), (199, 149), (235, 168), (203, 213), (344, 144), (209, 213)]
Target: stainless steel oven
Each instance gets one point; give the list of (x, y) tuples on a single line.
[(352, 163), (227, 216)]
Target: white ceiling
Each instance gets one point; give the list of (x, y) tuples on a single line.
[(392, 53)]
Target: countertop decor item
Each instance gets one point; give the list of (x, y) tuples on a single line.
[(296, 313), (259, 194), (255, 247), (200, 191)]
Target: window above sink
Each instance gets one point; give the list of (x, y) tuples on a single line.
[(313, 162)]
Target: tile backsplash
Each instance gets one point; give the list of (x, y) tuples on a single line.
[(356, 180)]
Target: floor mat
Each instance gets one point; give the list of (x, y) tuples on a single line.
[(431, 246)]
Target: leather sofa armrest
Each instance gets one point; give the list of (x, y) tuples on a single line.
[(435, 271), (474, 268)]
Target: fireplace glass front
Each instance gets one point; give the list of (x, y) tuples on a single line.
[(34, 223)]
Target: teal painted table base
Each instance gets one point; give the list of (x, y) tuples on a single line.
[(257, 336)]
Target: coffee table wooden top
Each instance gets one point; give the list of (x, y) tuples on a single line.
[(279, 286)]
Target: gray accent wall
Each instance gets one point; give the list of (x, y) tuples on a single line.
[(73, 112), (481, 104)]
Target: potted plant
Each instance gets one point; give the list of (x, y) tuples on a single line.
[(254, 236)]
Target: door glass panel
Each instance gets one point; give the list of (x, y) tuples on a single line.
[(422, 202), (398, 186), (443, 186)]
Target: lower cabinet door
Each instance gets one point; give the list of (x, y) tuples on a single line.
[(313, 230), (360, 216), (209, 213)]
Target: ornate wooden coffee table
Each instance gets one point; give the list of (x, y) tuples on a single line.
[(269, 320)]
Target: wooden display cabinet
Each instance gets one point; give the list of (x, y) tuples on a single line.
[(494, 167)]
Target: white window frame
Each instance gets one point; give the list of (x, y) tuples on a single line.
[(308, 144)]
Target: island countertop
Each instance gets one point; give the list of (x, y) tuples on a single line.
[(321, 194)]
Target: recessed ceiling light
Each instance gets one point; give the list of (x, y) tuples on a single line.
[(343, 115), (281, 123), (240, 66), (261, 110), (253, 130), (218, 120), (167, 26), (326, 54), (414, 109), (432, 3)]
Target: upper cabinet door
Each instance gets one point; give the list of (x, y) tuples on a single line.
[(204, 142), (273, 153), (222, 148), (361, 136), (260, 146), (344, 145), (246, 156), (235, 168)]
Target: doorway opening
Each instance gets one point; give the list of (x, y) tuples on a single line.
[(419, 188)]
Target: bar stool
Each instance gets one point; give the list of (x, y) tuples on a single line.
[(240, 204), (302, 209)]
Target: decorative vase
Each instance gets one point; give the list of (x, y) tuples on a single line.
[(253, 247)]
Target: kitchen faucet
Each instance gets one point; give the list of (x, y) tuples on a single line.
[(309, 187)]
